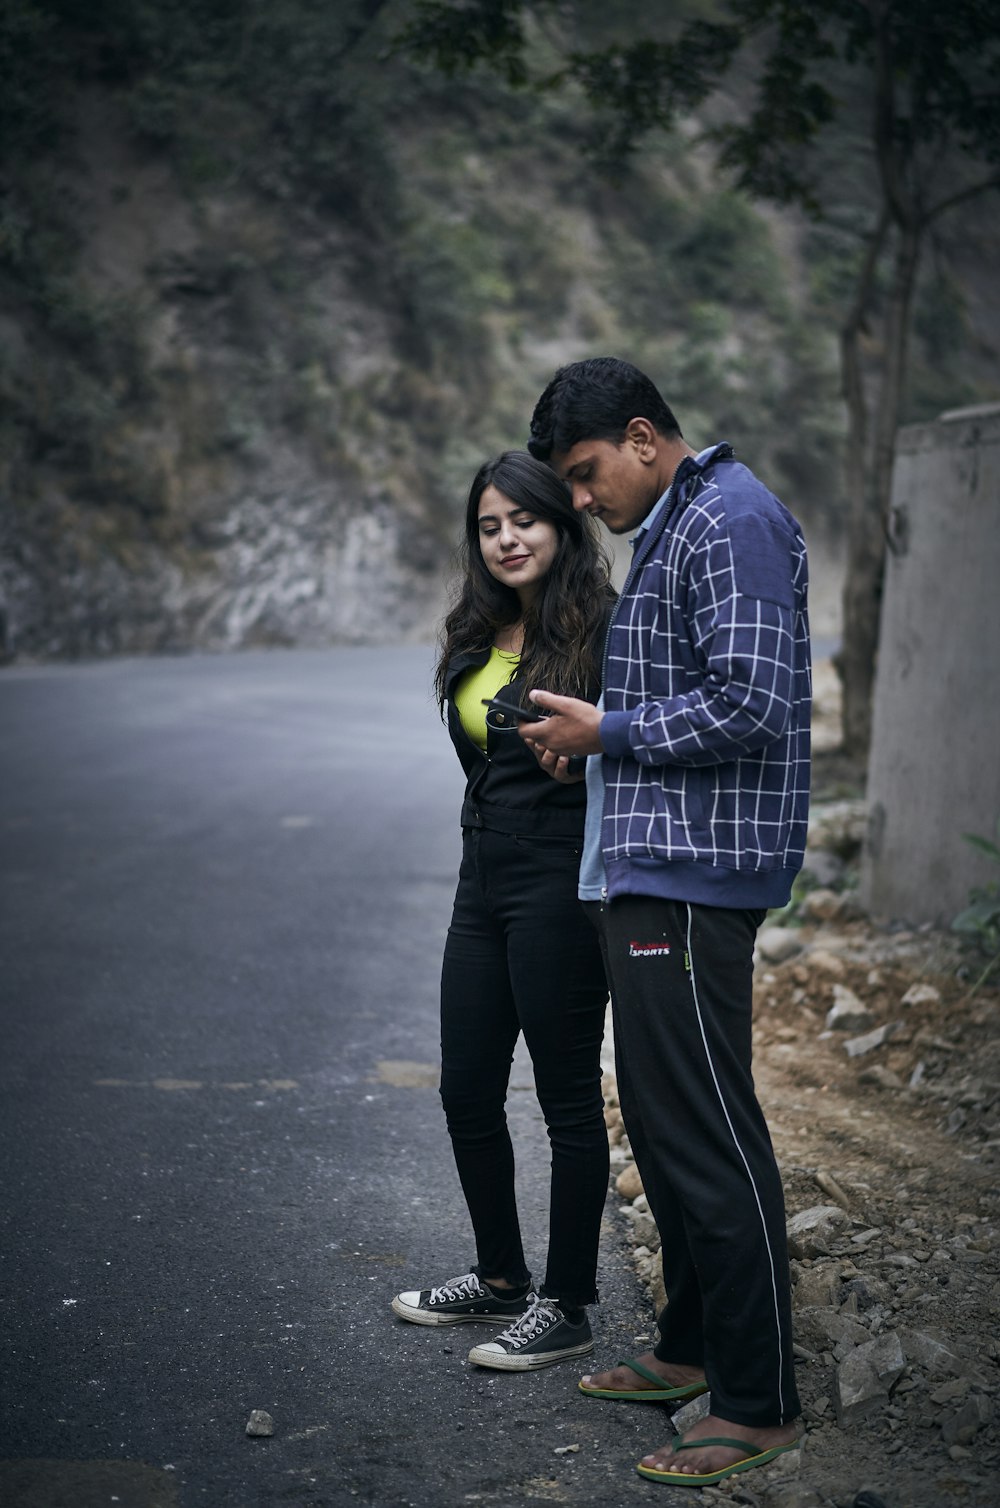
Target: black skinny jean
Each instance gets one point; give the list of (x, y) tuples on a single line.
[(522, 957)]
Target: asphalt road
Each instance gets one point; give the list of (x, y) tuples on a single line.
[(224, 888)]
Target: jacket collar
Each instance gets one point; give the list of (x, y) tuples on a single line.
[(689, 470), (465, 661)]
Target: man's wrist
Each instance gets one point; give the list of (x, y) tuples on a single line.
[(613, 732)]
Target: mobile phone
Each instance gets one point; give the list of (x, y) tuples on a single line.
[(507, 708)]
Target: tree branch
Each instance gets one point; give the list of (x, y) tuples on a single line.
[(960, 196), (357, 29)]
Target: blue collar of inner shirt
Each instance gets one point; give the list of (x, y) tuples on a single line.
[(651, 517), (661, 502)]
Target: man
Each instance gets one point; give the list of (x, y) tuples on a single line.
[(695, 827)]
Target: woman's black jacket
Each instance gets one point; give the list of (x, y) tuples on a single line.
[(507, 790)]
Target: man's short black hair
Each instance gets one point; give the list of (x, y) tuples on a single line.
[(594, 400)]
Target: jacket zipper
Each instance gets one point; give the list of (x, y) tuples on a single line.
[(670, 507), (721, 452)]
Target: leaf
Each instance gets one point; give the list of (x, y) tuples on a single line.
[(984, 845), (980, 916)]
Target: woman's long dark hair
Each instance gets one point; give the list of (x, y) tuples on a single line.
[(564, 626)]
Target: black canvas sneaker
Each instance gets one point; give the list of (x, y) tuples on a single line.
[(540, 1337), (457, 1302)]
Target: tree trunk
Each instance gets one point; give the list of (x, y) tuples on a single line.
[(861, 602), (890, 391), (870, 480), (857, 649)]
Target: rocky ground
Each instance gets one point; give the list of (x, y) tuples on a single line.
[(877, 1059)]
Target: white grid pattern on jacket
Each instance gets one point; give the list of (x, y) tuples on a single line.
[(709, 654)]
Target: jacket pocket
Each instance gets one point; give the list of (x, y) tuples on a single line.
[(569, 848)]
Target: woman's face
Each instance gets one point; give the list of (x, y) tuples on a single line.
[(517, 546)]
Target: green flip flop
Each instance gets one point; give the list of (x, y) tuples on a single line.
[(706, 1479), (658, 1394)]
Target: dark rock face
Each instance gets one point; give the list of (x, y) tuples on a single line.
[(311, 569)]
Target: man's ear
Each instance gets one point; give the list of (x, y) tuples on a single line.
[(641, 435)]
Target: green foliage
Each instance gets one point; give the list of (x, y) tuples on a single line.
[(30, 59), (732, 261), (456, 39), (944, 65), (455, 218), (669, 252), (88, 374), (466, 238), (102, 330), (229, 88), (496, 261), (230, 94), (980, 919), (833, 256), (702, 299), (939, 376)]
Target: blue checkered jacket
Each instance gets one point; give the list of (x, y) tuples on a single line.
[(707, 691)]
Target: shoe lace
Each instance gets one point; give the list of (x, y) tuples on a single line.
[(465, 1287), (539, 1316)]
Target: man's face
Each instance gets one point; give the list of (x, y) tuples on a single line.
[(609, 481)]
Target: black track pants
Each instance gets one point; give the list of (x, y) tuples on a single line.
[(681, 978), (522, 957)]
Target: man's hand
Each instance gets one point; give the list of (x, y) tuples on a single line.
[(574, 728)]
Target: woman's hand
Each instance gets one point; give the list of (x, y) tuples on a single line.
[(556, 765), (574, 727)]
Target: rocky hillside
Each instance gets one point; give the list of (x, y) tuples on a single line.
[(269, 292)]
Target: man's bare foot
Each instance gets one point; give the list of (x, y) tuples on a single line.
[(715, 1458), (622, 1379)]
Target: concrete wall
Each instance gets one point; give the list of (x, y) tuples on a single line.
[(934, 769)]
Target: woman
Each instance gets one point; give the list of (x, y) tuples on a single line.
[(520, 954)]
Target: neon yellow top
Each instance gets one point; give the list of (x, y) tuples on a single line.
[(475, 684)]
